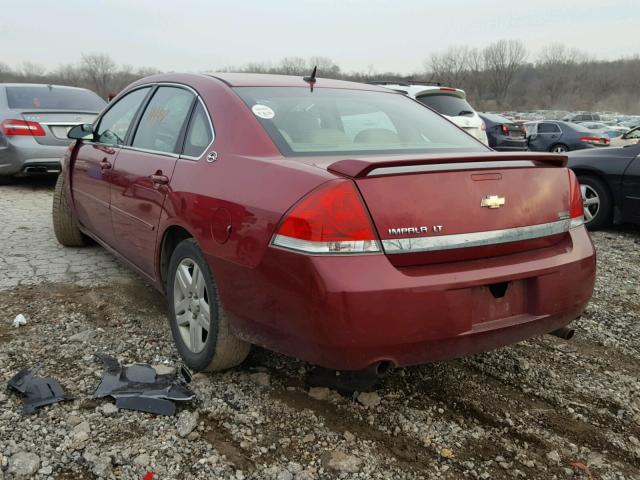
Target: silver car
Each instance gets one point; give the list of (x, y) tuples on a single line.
[(34, 121)]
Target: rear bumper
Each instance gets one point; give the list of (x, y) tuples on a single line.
[(349, 312), (26, 157)]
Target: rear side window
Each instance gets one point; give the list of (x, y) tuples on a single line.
[(53, 98), (548, 128), (114, 124), (163, 119), (199, 135), (448, 105)]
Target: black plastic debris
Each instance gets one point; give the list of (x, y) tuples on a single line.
[(139, 387), (38, 391)]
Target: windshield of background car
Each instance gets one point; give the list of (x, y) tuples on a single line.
[(339, 121), (448, 105), (54, 98)]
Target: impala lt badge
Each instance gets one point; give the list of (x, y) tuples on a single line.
[(492, 201), (414, 230)]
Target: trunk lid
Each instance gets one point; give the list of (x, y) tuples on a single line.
[(452, 208), (56, 124)]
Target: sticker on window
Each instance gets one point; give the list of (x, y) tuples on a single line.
[(263, 111)]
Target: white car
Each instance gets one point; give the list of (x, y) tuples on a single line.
[(632, 137), (448, 102)]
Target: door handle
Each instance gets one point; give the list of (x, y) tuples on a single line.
[(159, 179), (105, 164)]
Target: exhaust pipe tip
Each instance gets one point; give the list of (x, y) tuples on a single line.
[(566, 333), (380, 369)]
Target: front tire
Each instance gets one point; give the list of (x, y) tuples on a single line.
[(597, 202), (199, 324), (65, 225)]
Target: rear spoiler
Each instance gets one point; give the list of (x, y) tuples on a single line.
[(361, 167)]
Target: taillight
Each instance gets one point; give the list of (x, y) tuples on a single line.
[(595, 140), (12, 127), (505, 129), (576, 207), (332, 219), (447, 89)]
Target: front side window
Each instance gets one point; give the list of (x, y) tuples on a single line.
[(115, 123), (339, 121), (163, 119), (199, 134)]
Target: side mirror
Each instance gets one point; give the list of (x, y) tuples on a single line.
[(81, 132)]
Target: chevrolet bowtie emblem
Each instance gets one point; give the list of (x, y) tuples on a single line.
[(492, 201)]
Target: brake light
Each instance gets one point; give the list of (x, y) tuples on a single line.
[(595, 140), (447, 89), (12, 127), (331, 219), (505, 129), (576, 206)]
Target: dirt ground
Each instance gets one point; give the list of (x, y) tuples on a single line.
[(541, 409)]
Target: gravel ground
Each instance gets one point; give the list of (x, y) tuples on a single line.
[(542, 409)]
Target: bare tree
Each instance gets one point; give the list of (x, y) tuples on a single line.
[(502, 60), (98, 68), (293, 66), (32, 71), (450, 67), (557, 66), (326, 66)]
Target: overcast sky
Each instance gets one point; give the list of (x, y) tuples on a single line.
[(184, 35)]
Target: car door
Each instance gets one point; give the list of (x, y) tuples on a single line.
[(94, 160), (143, 169), (631, 190), (546, 134)]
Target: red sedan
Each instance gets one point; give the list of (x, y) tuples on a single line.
[(345, 224)]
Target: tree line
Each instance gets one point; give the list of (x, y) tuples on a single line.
[(501, 76)]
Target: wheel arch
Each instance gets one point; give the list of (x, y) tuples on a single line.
[(600, 176), (171, 237)]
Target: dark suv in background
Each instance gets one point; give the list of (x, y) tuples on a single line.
[(34, 121)]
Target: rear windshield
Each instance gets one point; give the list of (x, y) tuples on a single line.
[(448, 105), (338, 121), (54, 98)]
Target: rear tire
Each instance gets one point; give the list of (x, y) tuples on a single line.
[(6, 179), (597, 201), (65, 225), (199, 324), (559, 148)]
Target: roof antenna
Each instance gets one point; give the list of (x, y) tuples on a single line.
[(311, 79)]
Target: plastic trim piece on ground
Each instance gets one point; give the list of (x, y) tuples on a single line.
[(38, 391), (139, 387)]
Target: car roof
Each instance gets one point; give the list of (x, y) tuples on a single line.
[(272, 80)]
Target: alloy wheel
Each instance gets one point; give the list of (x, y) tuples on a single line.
[(191, 305), (590, 201), (559, 149)]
